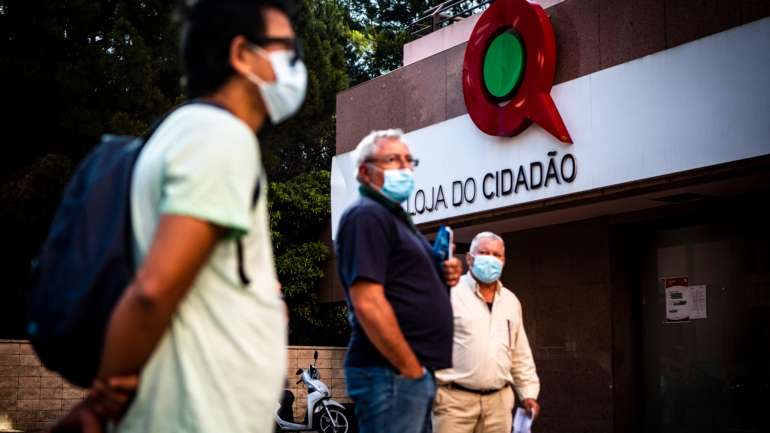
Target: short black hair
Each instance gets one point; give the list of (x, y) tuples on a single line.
[(207, 30)]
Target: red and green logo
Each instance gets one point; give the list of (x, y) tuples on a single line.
[(508, 71)]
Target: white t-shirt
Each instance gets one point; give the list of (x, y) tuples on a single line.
[(220, 366)]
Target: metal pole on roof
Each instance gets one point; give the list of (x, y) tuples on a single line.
[(436, 16)]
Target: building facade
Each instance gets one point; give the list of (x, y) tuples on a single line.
[(640, 250)]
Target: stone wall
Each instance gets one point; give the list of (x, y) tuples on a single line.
[(329, 365), (32, 398)]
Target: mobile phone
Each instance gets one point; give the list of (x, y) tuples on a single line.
[(443, 244), (451, 248)]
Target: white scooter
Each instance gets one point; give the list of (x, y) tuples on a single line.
[(324, 415)]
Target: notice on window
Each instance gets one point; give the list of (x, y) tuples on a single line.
[(698, 297), (678, 299)]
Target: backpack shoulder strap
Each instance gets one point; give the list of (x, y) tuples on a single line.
[(245, 280), (257, 192)]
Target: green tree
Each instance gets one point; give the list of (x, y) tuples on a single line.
[(299, 213), (28, 199), (75, 69), (380, 28), (297, 157), (378, 31), (69, 70), (306, 142)]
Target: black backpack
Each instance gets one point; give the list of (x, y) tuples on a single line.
[(86, 262)]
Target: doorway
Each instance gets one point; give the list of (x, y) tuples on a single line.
[(705, 367)]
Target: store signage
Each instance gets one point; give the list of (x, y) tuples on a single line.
[(508, 71), (640, 120), (494, 185)]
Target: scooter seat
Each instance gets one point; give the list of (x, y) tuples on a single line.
[(286, 412)]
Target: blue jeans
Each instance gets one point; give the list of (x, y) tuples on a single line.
[(387, 402)]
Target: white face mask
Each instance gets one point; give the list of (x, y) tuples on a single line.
[(283, 97)]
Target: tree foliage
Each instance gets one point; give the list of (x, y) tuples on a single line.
[(74, 69), (297, 156), (27, 202), (306, 142), (69, 70), (299, 213), (380, 28), (378, 31)]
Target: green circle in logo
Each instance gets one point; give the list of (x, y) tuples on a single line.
[(503, 65)]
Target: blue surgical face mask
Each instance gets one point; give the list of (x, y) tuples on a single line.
[(283, 97), (487, 269), (399, 183)]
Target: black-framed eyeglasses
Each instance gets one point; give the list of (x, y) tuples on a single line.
[(406, 160), (291, 44)]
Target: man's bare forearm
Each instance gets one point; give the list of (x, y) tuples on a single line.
[(376, 316), (180, 248), (135, 329)]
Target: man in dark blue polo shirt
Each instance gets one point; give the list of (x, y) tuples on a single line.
[(397, 292)]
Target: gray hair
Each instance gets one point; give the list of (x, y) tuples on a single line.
[(368, 146), (481, 236)]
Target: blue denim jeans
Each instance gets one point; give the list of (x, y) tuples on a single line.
[(387, 402)]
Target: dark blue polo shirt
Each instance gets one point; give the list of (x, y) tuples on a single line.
[(375, 244)]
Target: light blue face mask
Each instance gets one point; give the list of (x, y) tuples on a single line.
[(398, 184), (487, 269), (285, 96)]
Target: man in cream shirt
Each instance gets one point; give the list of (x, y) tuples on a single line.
[(490, 352)]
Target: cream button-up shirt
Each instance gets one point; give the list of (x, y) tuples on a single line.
[(490, 348)]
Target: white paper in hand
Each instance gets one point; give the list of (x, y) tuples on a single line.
[(522, 422)]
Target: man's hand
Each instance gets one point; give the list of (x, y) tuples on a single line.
[(414, 373), (110, 398), (452, 271), (532, 407)]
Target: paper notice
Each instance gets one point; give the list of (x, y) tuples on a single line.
[(678, 299), (698, 308), (522, 422)]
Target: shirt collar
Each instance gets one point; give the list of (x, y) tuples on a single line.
[(395, 208), (474, 285)]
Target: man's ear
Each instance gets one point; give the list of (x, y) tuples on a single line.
[(239, 57), (363, 174)]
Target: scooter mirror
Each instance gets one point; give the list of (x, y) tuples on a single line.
[(315, 356), (299, 371)]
